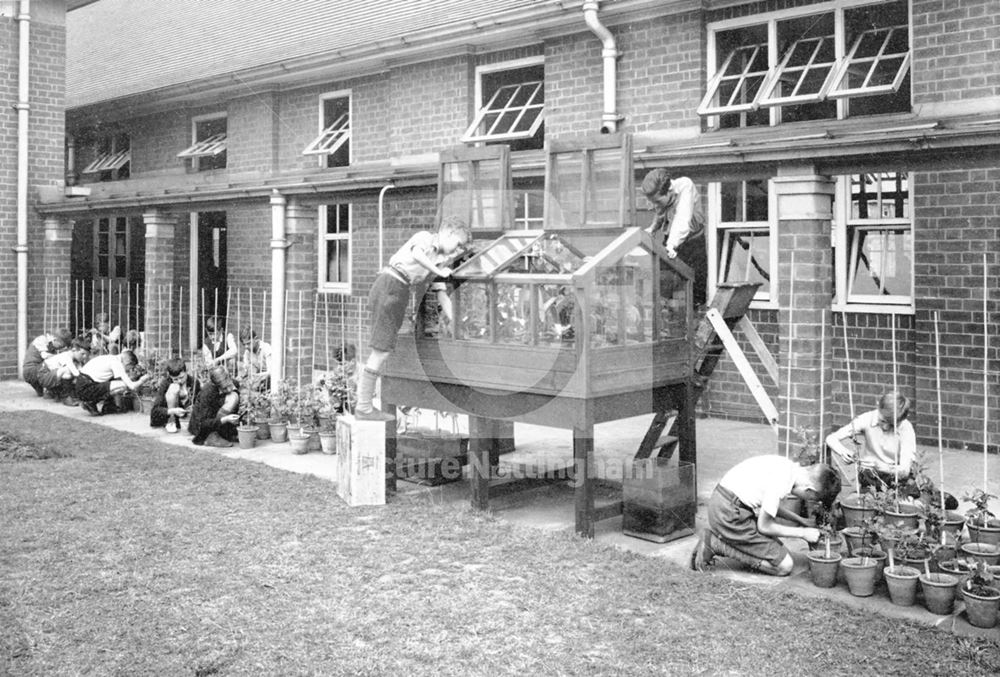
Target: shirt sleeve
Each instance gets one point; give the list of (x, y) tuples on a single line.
[(680, 224), (117, 369)]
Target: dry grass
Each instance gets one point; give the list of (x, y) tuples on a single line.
[(133, 557)]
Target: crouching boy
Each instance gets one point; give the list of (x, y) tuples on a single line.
[(214, 414), (104, 377), (743, 512)]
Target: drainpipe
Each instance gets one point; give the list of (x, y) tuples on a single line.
[(609, 52), (21, 249), (381, 223), (278, 247)]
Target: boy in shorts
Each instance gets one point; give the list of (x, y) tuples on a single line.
[(102, 378), (423, 255), (743, 512)]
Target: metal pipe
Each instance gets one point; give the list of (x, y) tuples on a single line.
[(609, 53), (278, 246), (381, 223), (21, 248)]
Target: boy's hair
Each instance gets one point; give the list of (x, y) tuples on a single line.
[(132, 339), (902, 404), (218, 375), (211, 325), (827, 484), (656, 182), (175, 366), (128, 358), (246, 334), (455, 225)]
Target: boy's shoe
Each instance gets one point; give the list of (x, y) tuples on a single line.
[(90, 408), (216, 440), (172, 425), (373, 415), (39, 390), (70, 401), (702, 555)]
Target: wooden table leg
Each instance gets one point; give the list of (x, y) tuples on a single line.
[(583, 462), (482, 442), (390, 449)]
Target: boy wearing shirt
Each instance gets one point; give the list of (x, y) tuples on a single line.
[(102, 377)]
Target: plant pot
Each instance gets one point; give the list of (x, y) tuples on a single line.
[(984, 534), (905, 517), (860, 574), (875, 554), (856, 511), (939, 592), (952, 524), (959, 568), (278, 430), (247, 436), (328, 442), (982, 552), (293, 429), (836, 544), (823, 568), (902, 583), (314, 443), (856, 538), (263, 430), (920, 562), (300, 443), (943, 554), (980, 609)]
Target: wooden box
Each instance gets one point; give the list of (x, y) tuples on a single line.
[(430, 457), (360, 461), (659, 500)]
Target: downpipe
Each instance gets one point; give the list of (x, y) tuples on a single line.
[(21, 248), (609, 54)]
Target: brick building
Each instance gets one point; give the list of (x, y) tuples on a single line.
[(846, 151)]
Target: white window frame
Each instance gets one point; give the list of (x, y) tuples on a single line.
[(845, 259), (851, 60), (324, 285), (209, 147), (835, 76), (522, 220), (766, 296), (112, 160), (722, 75), (335, 134), (471, 134)]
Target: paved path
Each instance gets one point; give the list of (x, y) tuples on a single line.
[(721, 444)]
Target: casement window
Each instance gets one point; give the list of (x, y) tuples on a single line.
[(829, 60), (873, 237), (333, 144), (208, 142), (529, 209), (335, 248), (741, 236), (111, 249), (114, 157), (510, 100)]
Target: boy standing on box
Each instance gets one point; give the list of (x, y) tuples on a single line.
[(743, 512), (423, 255)]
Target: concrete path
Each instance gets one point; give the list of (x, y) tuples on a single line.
[(721, 444)]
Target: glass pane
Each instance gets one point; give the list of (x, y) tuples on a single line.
[(748, 256), (556, 306), (103, 245), (472, 305), (619, 305), (884, 261), (672, 303), (513, 311), (102, 266), (566, 202), (604, 188), (120, 266)]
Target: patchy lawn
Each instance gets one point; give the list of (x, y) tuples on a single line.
[(135, 557)]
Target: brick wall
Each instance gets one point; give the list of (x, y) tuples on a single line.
[(430, 104)]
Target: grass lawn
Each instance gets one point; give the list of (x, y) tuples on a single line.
[(131, 557)]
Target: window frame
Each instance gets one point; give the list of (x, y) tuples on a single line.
[(471, 134), (845, 247), (717, 230), (315, 147), (113, 159), (849, 60), (209, 147), (324, 237), (113, 223)]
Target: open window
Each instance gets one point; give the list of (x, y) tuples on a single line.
[(511, 105), (741, 237), (333, 143), (335, 248), (739, 76), (208, 148), (114, 157)]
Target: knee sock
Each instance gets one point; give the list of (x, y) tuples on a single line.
[(366, 389), (720, 547)]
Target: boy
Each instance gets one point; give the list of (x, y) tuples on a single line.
[(256, 359), (743, 509), (214, 414), (44, 346), (677, 210), (58, 372), (423, 254), (173, 396), (102, 378)]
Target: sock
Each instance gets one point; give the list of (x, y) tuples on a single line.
[(720, 547), (366, 389)]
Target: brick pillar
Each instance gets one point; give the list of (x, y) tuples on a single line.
[(300, 283), (56, 257), (160, 244), (805, 264)]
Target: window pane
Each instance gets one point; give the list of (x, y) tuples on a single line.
[(747, 256), (883, 262), (121, 263), (102, 266)]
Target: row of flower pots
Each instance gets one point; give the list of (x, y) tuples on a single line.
[(302, 439)]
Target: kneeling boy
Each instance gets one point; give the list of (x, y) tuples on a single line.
[(743, 512), (102, 378)]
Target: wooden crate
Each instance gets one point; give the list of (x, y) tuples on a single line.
[(659, 501), (360, 461), (431, 458)]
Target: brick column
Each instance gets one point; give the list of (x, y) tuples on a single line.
[(56, 255), (301, 261), (805, 266), (160, 244)]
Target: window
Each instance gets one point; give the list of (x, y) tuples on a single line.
[(740, 236), (114, 156), (874, 241), (111, 248), (208, 149), (333, 144), (529, 209), (851, 58), (335, 248), (511, 105)]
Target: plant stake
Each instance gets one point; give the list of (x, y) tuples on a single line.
[(791, 331), (895, 412), (986, 370), (937, 378), (850, 395)]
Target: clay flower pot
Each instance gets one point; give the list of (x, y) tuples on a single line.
[(982, 552), (856, 538), (902, 583), (856, 511), (984, 534), (328, 442), (860, 573), (823, 568), (278, 430), (247, 435), (836, 544), (939, 592), (300, 443), (263, 430), (958, 568), (906, 516), (875, 554), (982, 606)]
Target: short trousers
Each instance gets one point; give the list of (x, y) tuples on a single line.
[(736, 524), (87, 390), (388, 299), (49, 379)]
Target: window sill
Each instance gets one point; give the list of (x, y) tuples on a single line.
[(873, 308), (339, 290)]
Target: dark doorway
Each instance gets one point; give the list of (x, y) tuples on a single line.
[(212, 277)]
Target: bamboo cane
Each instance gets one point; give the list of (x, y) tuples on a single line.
[(326, 327), (225, 324), (204, 328), (986, 372), (239, 328), (249, 353), (822, 383), (170, 319), (895, 400), (128, 308), (298, 361), (937, 379), (45, 307), (93, 304), (312, 348), (791, 332), (850, 396)]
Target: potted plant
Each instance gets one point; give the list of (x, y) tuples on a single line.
[(939, 592), (982, 524), (857, 508), (982, 597), (246, 429), (902, 583), (860, 573), (261, 405), (284, 404), (824, 558), (310, 404), (986, 553), (941, 525)]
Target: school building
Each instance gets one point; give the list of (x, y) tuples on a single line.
[(847, 151)]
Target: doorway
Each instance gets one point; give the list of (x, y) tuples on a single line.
[(212, 265)]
